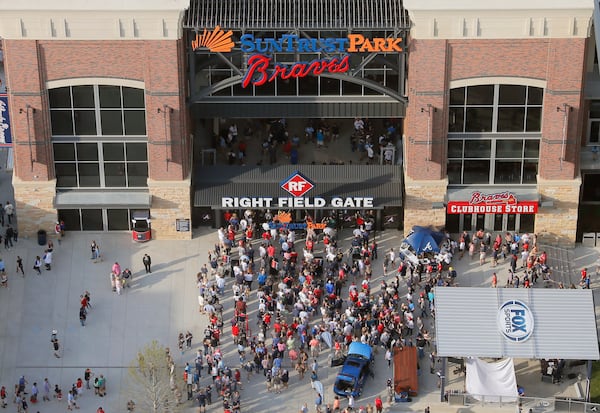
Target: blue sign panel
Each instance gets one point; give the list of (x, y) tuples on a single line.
[(5, 134)]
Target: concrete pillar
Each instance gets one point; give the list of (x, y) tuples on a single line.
[(170, 201), (557, 224), (418, 204), (34, 205)]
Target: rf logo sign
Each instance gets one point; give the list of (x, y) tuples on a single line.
[(297, 185)]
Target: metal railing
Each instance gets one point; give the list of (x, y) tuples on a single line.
[(527, 404)]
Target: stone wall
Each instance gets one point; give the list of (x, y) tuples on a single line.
[(171, 200), (418, 204), (557, 224), (34, 206)]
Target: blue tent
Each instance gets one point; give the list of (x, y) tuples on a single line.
[(422, 239)]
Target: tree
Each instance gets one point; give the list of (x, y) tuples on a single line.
[(152, 380)]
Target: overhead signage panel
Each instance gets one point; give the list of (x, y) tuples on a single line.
[(297, 185), (492, 203), (261, 67)]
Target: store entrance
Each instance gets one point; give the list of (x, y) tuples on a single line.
[(522, 223), (97, 219), (338, 219)]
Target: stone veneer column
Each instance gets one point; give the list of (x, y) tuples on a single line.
[(34, 206), (420, 195), (170, 201), (558, 223)]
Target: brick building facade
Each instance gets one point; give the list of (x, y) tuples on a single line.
[(471, 45), (495, 103), (114, 50)]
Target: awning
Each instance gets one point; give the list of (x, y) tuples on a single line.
[(516, 322), (102, 199), (291, 14), (249, 107), (381, 182)]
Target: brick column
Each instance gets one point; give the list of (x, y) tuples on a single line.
[(558, 172), (168, 138), (425, 132), (33, 174)]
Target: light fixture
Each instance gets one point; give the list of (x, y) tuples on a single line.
[(430, 109), (166, 110), (29, 110), (566, 109)]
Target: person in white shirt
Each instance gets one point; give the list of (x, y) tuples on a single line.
[(9, 209), (359, 124), (220, 282)]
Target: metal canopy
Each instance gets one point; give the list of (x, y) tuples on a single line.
[(103, 199), (292, 14), (382, 182), (247, 108), (471, 322)]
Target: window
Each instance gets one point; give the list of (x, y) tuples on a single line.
[(593, 135), (492, 161), (494, 134), (96, 219), (97, 110), (100, 164), (85, 122), (495, 108)]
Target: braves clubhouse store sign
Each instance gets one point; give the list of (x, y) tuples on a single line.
[(296, 185), (494, 203), (262, 69)]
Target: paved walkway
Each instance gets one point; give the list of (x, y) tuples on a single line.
[(159, 306)]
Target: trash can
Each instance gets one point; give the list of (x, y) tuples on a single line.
[(41, 237)]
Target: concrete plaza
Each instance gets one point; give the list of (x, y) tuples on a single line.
[(160, 305)]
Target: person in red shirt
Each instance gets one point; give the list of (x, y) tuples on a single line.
[(3, 396), (235, 332), (277, 326), (378, 404), (360, 221), (309, 245)]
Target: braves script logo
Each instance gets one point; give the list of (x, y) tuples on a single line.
[(216, 41), (500, 198), (297, 185)]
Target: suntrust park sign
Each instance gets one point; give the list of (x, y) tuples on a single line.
[(492, 203), (297, 185), (262, 69)]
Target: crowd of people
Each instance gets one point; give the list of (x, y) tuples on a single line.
[(302, 303), (367, 139), (25, 395), (289, 296), (299, 298)]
